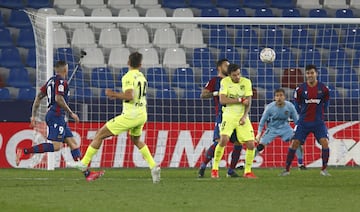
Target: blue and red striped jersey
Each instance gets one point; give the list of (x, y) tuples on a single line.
[(56, 85), (311, 102), (214, 85)]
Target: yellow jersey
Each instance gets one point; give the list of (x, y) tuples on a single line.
[(233, 90), (136, 81)]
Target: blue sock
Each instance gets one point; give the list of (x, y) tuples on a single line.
[(76, 154), (325, 157), (209, 154), (290, 158), (235, 155), (299, 155), (40, 148)]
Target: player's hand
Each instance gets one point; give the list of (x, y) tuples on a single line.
[(257, 137), (110, 93), (32, 121), (245, 101), (75, 117), (242, 120)]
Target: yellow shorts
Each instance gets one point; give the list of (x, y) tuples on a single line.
[(122, 123), (244, 132)]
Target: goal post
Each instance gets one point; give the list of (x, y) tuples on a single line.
[(180, 124)]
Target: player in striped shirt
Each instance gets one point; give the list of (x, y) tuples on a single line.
[(311, 100)]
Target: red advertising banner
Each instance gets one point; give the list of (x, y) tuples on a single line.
[(176, 145)]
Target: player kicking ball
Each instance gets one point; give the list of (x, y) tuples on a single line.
[(276, 116), (132, 118), (311, 99), (212, 90), (57, 91), (235, 96)]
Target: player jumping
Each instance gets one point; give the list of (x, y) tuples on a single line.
[(212, 90), (235, 96), (276, 116), (56, 90), (132, 118), (311, 99)]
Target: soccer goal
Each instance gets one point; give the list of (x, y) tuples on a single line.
[(179, 58)]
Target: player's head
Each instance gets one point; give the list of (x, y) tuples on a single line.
[(61, 67), (222, 66), (135, 60), (280, 96), (234, 72), (311, 73)]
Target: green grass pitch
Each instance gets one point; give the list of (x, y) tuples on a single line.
[(179, 190)]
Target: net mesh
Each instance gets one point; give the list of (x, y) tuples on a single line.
[(179, 59)]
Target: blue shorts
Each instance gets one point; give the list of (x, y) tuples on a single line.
[(302, 130), (58, 129), (285, 133), (218, 121)]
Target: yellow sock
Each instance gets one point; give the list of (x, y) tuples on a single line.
[(90, 152), (147, 156), (219, 152), (249, 157)]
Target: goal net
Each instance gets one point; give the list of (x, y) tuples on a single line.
[(179, 59)]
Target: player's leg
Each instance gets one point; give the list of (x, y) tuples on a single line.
[(286, 135), (321, 134), (265, 140), (70, 141), (235, 155)]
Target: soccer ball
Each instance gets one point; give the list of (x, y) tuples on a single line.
[(267, 55)]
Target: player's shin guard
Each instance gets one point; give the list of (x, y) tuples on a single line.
[(235, 155), (249, 157), (41, 148), (90, 152), (299, 155), (290, 158), (219, 152), (210, 153), (325, 157), (147, 156), (76, 154)]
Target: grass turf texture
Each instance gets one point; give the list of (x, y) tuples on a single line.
[(179, 190)]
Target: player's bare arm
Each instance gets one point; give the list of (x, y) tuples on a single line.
[(226, 100), (205, 94), (61, 102), (247, 109), (128, 95), (35, 107)]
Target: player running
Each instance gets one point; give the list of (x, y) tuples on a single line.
[(276, 116), (212, 90), (311, 99), (57, 91), (132, 118), (235, 96)]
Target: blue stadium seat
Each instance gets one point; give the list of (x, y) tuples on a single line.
[(333, 92), (102, 78), (183, 78), (317, 13), (292, 12), (10, 57), (31, 58), (192, 94), (354, 93), (120, 74), (356, 59), (219, 38), (173, 4), (273, 38), (338, 58), (14, 4), (228, 4), (2, 23), (255, 4), (209, 12), (4, 94), (67, 55), (166, 94), (266, 79), (344, 13), (26, 94), (19, 19), (19, 78), (39, 4), (285, 59), (201, 4), (5, 38), (207, 74), (347, 78), (282, 4), (244, 72), (81, 94), (246, 38), (237, 12), (202, 57), (324, 76), (310, 56), (231, 54), (352, 38), (327, 38), (300, 38), (26, 38), (78, 80), (263, 12), (252, 59), (157, 78)]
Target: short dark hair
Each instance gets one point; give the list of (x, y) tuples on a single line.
[(220, 62), (135, 59), (232, 67), (279, 90), (60, 64), (311, 66)]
